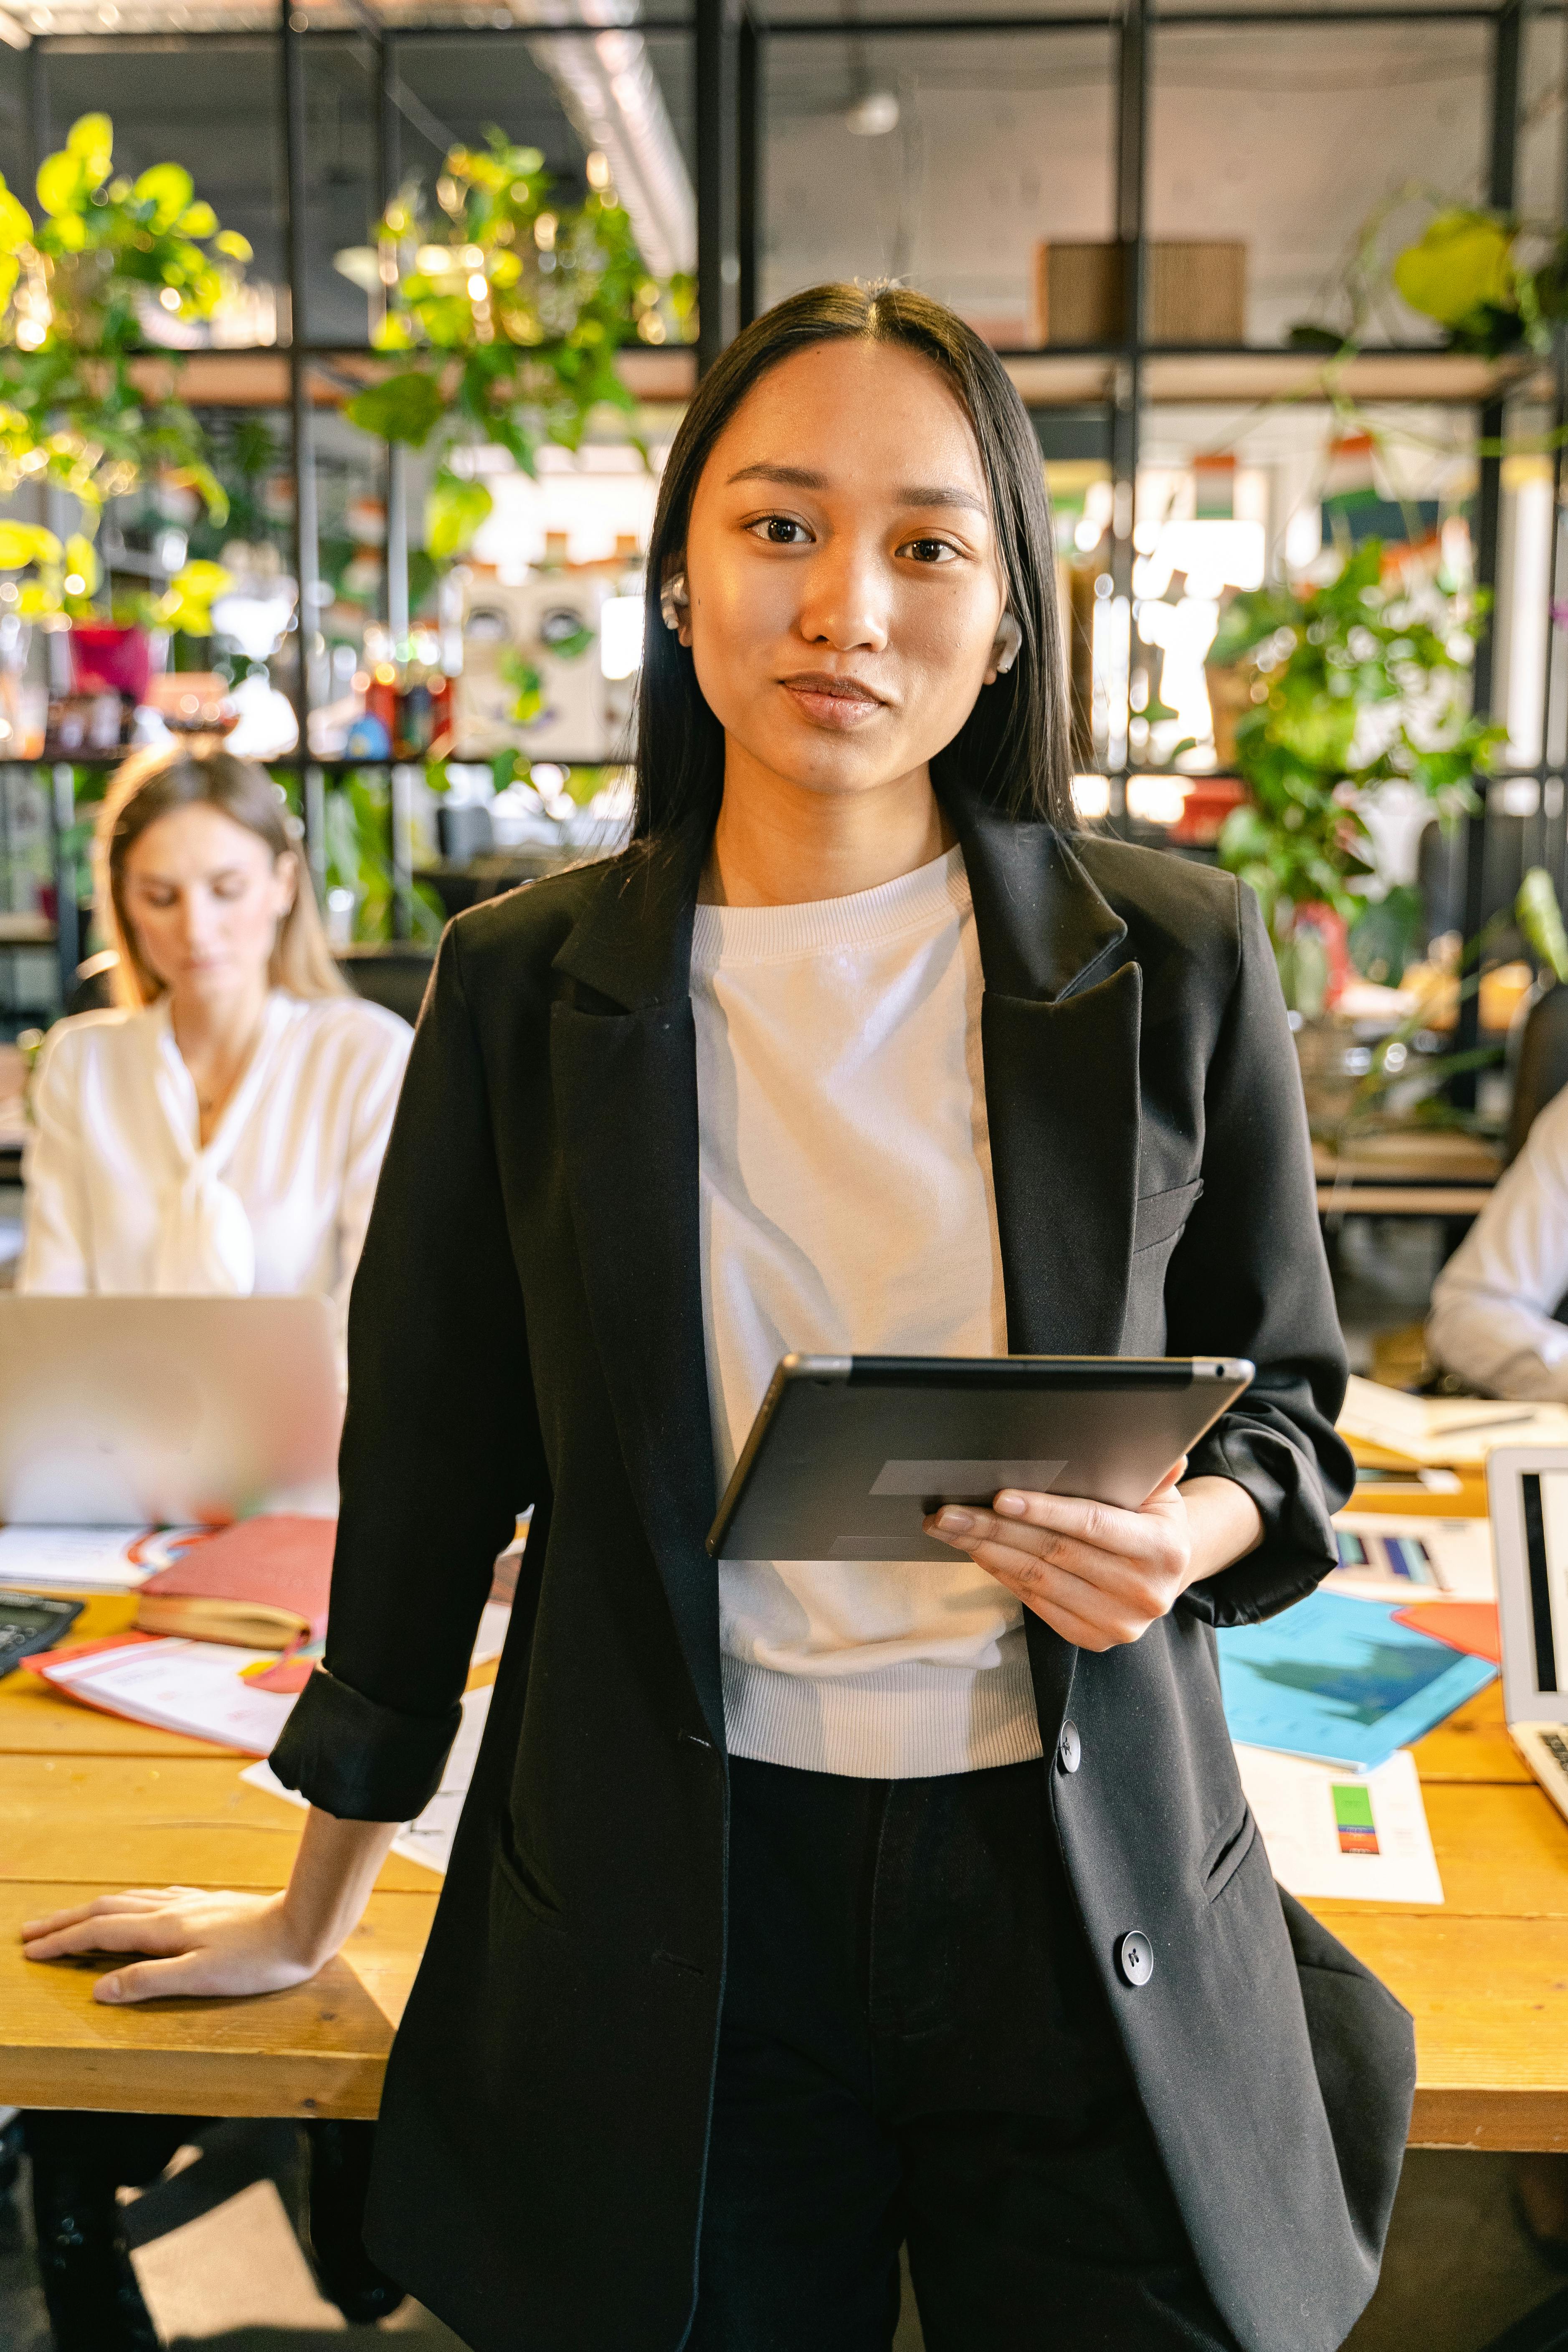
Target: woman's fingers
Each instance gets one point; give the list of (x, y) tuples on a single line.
[(110, 1931), (186, 1972), (138, 1899), (1110, 1612)]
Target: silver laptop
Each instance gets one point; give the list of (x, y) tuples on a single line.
[(1527, 1489), (165, 1412)]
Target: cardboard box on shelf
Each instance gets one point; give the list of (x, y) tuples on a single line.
[(1196, 292)]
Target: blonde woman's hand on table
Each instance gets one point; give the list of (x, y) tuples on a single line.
[(189, 1941), (1097, 1575)]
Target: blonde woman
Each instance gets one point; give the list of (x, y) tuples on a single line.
[(221, 1129)]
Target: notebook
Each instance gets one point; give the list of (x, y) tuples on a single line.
[(262, 1584)]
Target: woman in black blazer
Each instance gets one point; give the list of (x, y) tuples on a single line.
[(704, 2031)]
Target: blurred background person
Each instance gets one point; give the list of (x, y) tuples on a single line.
[(221, 1129), (1494, 1305)]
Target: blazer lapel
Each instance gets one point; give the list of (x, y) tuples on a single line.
[(624, 1075), (1059, 1034)]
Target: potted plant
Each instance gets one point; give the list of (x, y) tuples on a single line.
[(1350, 685), (78, 407), (511, 308)]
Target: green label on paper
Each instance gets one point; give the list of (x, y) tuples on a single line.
[(1353, 1805), (1352, 1817)]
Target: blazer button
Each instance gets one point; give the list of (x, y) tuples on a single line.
[(1135, 1957), (1070, 1748)]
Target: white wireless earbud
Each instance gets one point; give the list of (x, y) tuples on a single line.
[(673, 601), (1009, 639)]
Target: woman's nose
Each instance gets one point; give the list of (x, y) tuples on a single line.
[(847, 599)]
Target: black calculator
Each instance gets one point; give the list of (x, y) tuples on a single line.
[(30, 1621)]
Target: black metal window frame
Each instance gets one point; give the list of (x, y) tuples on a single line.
[(730, 42)]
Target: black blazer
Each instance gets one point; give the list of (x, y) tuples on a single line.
[(527, 1329)]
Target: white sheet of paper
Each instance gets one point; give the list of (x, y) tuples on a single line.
[(1294, 1804), (87, 1559), (192, 1686), (1459, 1553), (1445, 1429), (490, 1638), (429, 1838)]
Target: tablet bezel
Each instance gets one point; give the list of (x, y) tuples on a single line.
[(1229, 1376)]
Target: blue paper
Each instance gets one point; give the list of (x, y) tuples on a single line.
[(1339, 1680)]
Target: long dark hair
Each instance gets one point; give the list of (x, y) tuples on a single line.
[(1012, 750)]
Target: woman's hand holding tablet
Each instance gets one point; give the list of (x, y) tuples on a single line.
[(1100, 1575)]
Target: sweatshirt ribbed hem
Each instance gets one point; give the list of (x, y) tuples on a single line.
[(737, 934), (900, 1723)]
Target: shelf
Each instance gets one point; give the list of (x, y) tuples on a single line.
[(1050, 378), (260, 379), (1173, 377), (27, 932)]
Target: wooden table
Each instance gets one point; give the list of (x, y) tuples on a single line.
[(88, 1804), (1406, 1173)]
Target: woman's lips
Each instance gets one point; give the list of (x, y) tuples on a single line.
[(831, 702)]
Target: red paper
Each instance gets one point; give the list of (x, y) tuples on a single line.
[(280, 1562), (1468, 1626)]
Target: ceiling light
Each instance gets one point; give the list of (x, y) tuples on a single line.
[(873, 116)]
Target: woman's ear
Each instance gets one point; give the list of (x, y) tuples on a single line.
[(675, 602), (286, 874), (1004, 648)]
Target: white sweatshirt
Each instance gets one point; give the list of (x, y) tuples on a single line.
[(847, 1208)]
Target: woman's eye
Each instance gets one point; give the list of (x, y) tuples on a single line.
[(781, 531), (930, 551), (229, 885)]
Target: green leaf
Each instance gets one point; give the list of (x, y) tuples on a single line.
[(453, 512), (197, 220), (1539, 917), (232, 245), (60, 184), (26, 543), (403, 408), (92, 141), (15, 222), (169, 188), (1464, 263), (82, 559)]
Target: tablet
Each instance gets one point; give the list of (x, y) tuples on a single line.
[(847, 1454)]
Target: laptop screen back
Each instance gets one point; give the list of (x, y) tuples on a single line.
[(1528, 1486)]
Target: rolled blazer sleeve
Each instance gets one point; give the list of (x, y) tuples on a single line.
[(1249, 1278), (440, 1447)]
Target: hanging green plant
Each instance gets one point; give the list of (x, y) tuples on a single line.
[(1492, 280), (76, 287), (516, 307), (1352, 685)]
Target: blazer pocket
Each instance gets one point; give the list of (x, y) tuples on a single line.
[(1160, 1216), (528, 1889), (1226, 1853)]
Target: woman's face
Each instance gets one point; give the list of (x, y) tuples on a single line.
[(205, 896), (842, 570)]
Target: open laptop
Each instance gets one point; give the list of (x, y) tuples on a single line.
[(121, 1411), (1527, 1489)]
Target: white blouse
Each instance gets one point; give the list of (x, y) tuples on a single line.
[(122, 1196)]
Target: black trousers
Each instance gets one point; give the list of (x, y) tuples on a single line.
[(915, 2047)]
